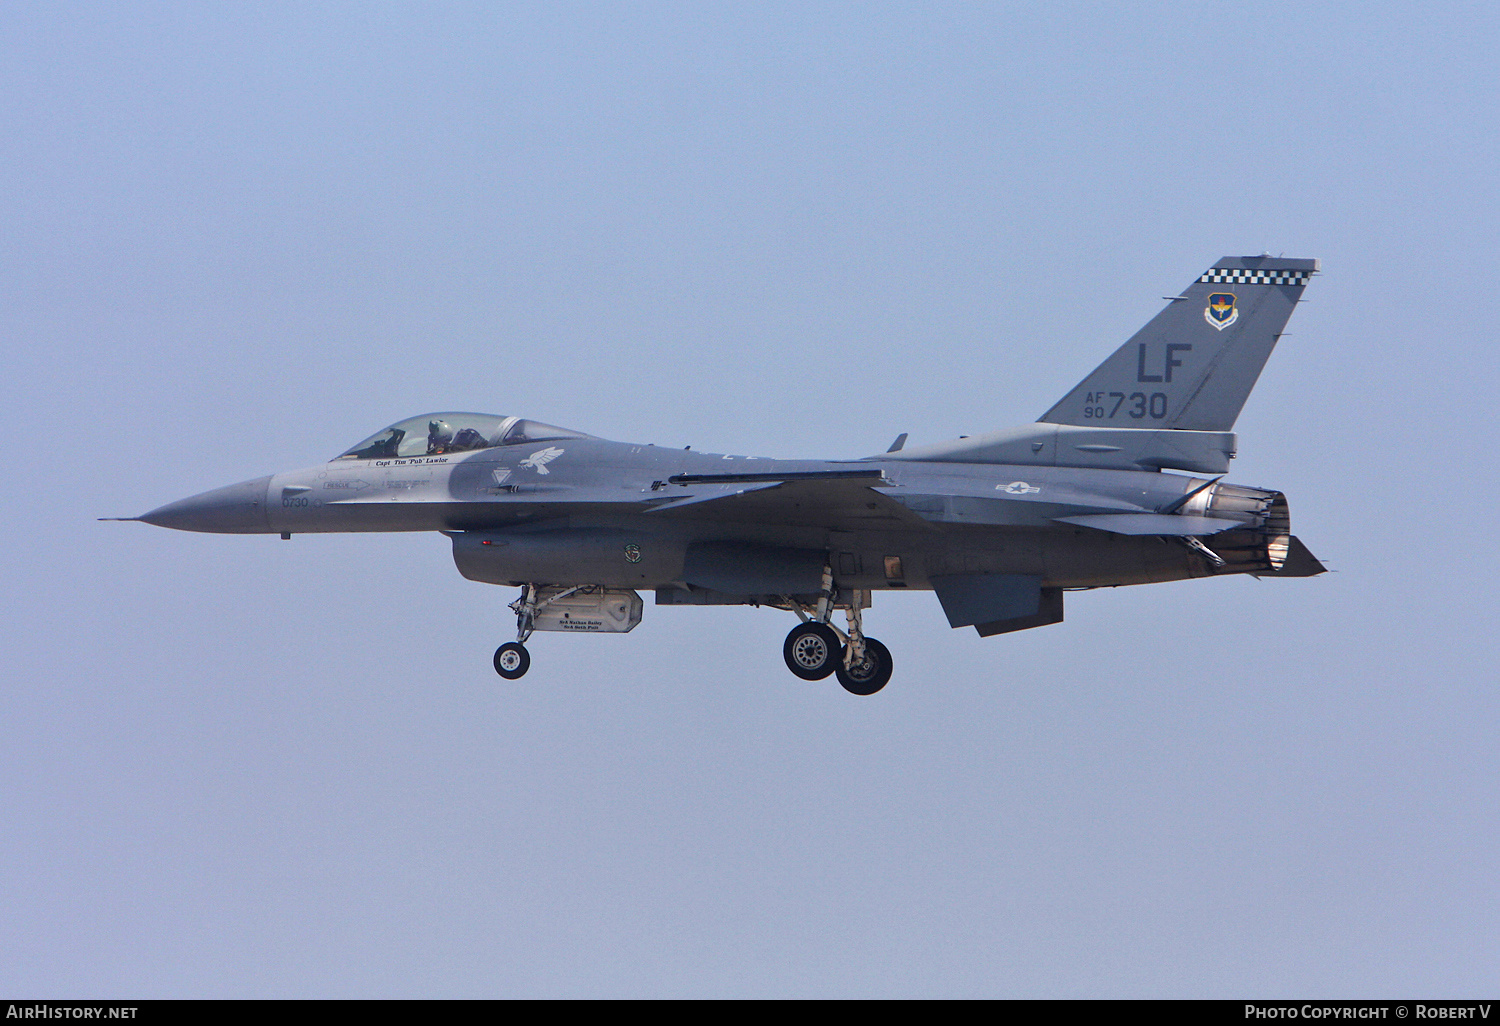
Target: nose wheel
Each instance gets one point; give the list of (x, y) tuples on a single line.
[(512, 660)]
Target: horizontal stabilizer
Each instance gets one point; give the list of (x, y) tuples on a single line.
[(1299, 562), (1153, 523)]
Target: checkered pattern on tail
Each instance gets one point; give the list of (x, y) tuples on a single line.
[(1249, 276)]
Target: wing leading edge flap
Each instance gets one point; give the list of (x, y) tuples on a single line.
[(872, 476), (998, 603), (725, 491), (829, 499)]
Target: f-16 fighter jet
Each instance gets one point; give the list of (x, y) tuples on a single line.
[(1118, 483)]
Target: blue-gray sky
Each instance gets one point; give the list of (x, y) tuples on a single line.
[(238, 238)]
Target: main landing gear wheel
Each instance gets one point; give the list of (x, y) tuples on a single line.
[(512, 660), (868, 675), (812, 650)]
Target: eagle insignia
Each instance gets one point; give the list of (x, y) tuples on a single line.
[(538, 460)]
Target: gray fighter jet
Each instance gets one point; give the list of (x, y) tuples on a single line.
[(998, 525)]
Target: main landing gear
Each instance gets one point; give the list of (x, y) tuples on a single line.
[(815, 648), (812, 650), (869, 673)]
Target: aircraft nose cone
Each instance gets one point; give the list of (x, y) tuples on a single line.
[(237, 509)]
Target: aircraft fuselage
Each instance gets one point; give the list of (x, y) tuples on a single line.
[(942, 518)]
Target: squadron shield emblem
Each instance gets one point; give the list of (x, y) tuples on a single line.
[(1221, 312)]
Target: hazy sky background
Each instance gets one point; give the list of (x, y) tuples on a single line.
[(237, 238)]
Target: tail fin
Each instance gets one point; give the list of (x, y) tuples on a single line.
[(1194, 364)]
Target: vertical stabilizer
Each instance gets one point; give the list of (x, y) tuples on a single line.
[(1194, 364)]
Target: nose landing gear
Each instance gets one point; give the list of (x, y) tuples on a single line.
[(511, 659)]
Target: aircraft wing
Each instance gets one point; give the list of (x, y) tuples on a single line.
[(832, 498)]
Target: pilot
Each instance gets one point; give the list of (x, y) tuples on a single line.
[(439, 437)]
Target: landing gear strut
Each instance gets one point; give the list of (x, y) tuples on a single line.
[(511, 659), (815, 648)]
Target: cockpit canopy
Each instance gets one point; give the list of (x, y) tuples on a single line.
[(453, 432)]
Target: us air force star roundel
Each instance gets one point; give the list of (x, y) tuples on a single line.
[(1019, 488), (632, 553), (1221, 312), (538, 460)]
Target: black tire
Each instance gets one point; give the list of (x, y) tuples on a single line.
[(512, 660), (811, 650), (870, 675)]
